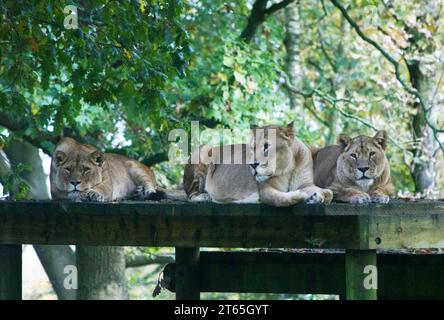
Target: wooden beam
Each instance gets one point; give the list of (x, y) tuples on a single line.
[(360, 266), (187, 274), (397, 225), (10, 272), (400, 276)]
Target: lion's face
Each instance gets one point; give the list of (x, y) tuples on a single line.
[(271, 148), (78, 171), (363, 158)]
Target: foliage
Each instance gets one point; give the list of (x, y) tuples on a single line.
[(13, 185), (103, 79)]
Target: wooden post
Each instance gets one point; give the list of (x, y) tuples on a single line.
[(361, 274), (187, 274), (10, 272)]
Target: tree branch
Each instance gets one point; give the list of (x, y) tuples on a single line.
[(396, 65), (18, 124), (276, 7), (334, 103), (259, 13)]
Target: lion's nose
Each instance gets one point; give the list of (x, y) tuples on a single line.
[(254, 165), (75, 183), (363, 169)]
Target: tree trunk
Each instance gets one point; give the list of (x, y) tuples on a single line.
[(424, 78), (425, 164), (53, 258), (101, 273), (292, 40)]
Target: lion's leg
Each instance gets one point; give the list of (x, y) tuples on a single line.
[(381, 194), (274, 197), (318, 195), (253, 198), (100, 193), (143, 177), (194, 182), (351, 195)]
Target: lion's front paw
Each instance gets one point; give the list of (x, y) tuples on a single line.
[(313, 198), (380, 198), (328, 195), (360, 198), (92, 195), (320, 196)]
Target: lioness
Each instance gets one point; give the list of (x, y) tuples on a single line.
[(356, 170), (287, 182), (80, 172)]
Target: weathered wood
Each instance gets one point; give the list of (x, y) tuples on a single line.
[(187, 274), (406, 231), (401, 276), (10, 272), (356, 263), (228, 225)]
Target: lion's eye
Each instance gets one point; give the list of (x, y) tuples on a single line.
[(372, 153), (85, 170), (354, 156), (68, 170)]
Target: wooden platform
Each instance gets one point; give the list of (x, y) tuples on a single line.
[(339, 226), (358, 229)]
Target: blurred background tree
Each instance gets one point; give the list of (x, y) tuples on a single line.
[(134, 70)]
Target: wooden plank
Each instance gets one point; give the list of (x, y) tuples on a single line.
[(187, 274), (224, 225), (356, 264), (10, 272), (401, 276), (172, 225), (406, 231)]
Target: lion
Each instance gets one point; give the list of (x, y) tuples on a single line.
[(357, 170), (80, 172), (276, 168)]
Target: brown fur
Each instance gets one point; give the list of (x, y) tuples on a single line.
[(337, 167), (289, 182), (100, 176)]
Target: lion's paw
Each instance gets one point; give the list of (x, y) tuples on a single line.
[(320, 196), (315, 197), (380, 198), (361, 198), (92, 195), (328, 196)]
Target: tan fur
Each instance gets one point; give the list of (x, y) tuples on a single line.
[(336, 167), (289, 182), (100, 176)]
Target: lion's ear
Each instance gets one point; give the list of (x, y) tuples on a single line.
[(60, 157), (381, 138), (344, 140), (288, 131), (97, 157)]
